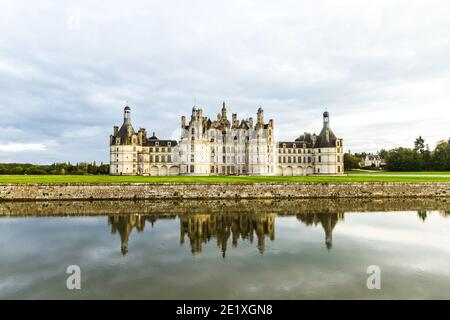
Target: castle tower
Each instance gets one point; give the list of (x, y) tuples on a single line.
[(328, 151), (127, 115), (260, 117), (224, 110)]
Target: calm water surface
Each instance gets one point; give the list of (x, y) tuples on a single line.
[(229, 253)]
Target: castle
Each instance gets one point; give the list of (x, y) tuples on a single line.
[(224, 147)]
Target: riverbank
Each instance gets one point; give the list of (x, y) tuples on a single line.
[(170, 191), (172, 208), (352, 176)]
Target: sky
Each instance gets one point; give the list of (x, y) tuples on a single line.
[(68, 68)]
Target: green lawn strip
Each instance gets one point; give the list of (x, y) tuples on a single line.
[(53, 179), (358, 172)]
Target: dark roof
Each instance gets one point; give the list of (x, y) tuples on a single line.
[(326, 138), (304, 138), (161, 143), (244, 125), (127, 108), (290, 144), (153, 137), (123, 132)]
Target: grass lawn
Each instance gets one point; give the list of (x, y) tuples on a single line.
[(353, 172), (46, 179)]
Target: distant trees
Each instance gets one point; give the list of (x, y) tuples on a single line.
[(81, 168), (419, 145), (419, 158), (351, 161), (441, 156), (403, 159)]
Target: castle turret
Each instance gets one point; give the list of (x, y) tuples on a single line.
[(224, 110), (326, 138), (326, 119), (260, 117), (127, 114)]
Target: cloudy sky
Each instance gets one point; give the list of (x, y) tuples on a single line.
[(381, 68)]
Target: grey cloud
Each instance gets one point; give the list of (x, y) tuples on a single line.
[(68, 86)]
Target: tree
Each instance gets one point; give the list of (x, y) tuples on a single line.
[(351, 161), (441, 156), (383, 153), (403, 159), (419, 144)]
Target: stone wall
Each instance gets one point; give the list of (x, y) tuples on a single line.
[(165, 191), (173, 208)]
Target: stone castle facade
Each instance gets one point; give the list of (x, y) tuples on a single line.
[(224, 147)]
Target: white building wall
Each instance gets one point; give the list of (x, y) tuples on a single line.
[(123, 159)]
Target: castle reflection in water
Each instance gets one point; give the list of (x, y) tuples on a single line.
[(199, 229)]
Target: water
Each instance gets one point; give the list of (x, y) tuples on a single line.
[(306, 249)]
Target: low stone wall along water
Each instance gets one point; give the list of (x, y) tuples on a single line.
[(166, 191)]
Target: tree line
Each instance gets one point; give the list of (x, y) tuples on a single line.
[(419, 158), (82, 168)]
